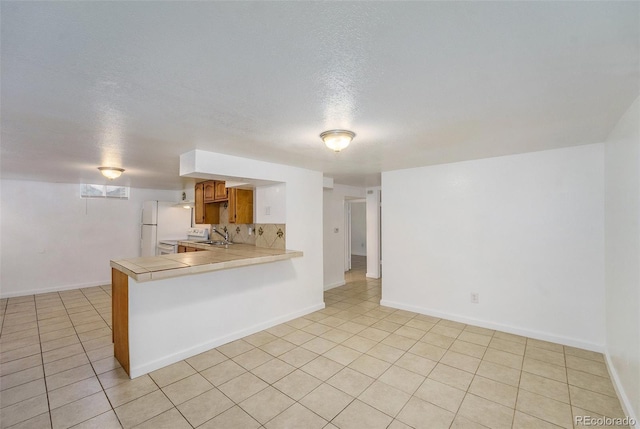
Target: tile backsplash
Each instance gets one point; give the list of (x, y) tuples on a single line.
[(238, 233), (271, 235)]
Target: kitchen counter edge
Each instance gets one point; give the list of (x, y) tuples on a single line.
[(184, 264)]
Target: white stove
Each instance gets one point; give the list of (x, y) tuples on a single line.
[(168, 247), (198, 234)]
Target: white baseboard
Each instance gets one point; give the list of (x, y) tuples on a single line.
[(53, 289), (215, 342), (333, 285), (372, 276), (617, 384), (544, 336), (359, 254)]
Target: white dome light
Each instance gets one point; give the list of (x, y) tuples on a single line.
[(336, 140), (111, 172)]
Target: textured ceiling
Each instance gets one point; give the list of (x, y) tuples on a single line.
[(136, 84)]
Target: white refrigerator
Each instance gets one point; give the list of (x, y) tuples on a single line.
[(162, 221)]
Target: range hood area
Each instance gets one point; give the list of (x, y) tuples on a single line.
[(188, 199)]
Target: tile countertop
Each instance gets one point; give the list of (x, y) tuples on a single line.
[(214, 259)]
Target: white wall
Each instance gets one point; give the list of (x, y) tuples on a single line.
[(359, 229), (334, 242), (212, 309), (271, 199), (54, 240), (622, 255), (526, 232)]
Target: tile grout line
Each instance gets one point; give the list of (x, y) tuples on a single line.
[(104, 391), (362, 295), (92, 369), (44, 375), (515, 405), (100, 314), (5, 303), (448, 349)]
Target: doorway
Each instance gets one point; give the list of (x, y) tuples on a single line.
[(355, 237)]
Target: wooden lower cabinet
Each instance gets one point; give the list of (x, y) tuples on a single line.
[(184, 249)]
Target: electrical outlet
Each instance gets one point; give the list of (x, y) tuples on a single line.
[(475, 297)]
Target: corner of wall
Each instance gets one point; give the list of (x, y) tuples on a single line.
[(625, 402), (622, 257)]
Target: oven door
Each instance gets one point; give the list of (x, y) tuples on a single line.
[(167, 249)]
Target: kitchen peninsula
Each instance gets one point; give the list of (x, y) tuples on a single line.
[(170, 307)]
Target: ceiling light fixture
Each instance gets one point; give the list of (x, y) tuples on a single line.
[(336, 140), (111, 172)]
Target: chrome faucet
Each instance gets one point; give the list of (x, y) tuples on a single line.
[(225, 235)]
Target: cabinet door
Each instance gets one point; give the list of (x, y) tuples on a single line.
[(212, 213), (182, 249), (191, 249), (244, 206), (209, 191), (199, 209), (220, 192), (232, 205), (240, 205)]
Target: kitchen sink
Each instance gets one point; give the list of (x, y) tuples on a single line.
[(213, 242)]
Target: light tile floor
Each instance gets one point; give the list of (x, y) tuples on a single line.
[(352, 365)]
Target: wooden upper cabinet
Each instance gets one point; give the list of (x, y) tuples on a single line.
[(199, 203), (231, 206), (240, 206), (212, 213), (209, 191), (220, 191), (215, 191), (205, 212)]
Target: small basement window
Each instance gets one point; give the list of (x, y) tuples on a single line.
[(104, 191)]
